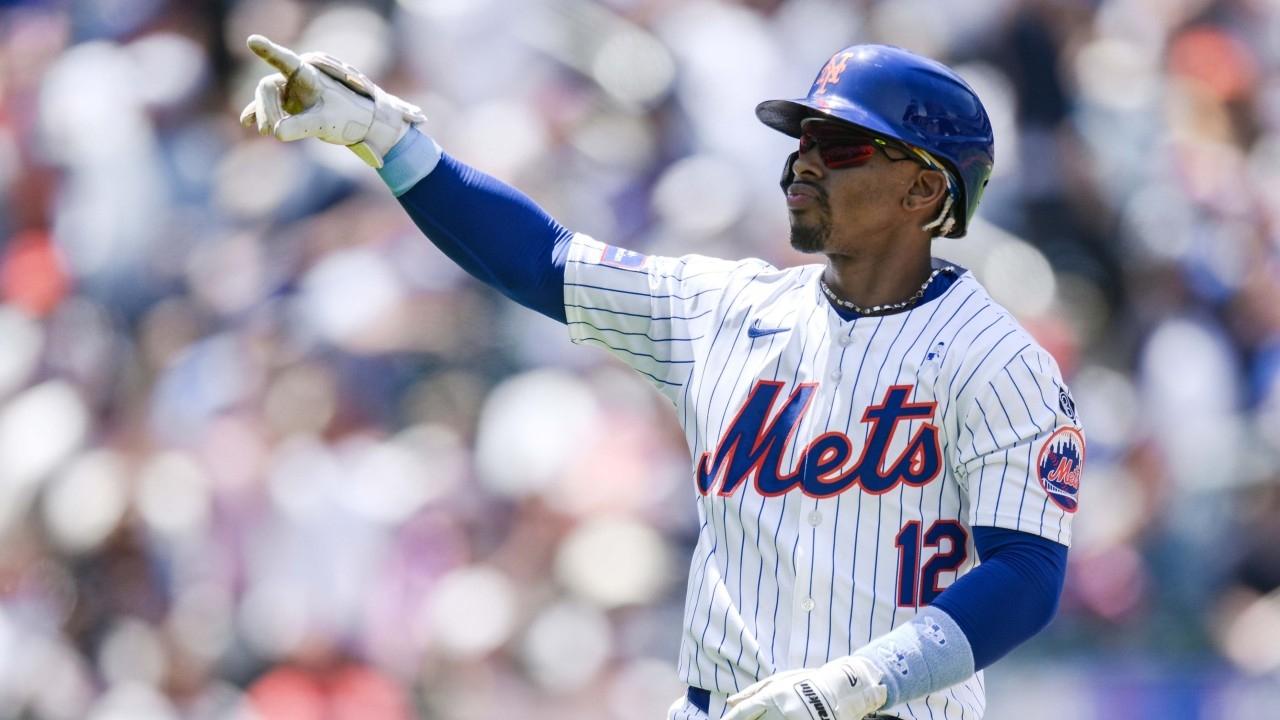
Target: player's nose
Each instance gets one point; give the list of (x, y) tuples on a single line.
[(807, 165)]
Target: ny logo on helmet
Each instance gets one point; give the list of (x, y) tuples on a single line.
[(832, 71)]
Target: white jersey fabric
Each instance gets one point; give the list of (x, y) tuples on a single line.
[(839, 465)]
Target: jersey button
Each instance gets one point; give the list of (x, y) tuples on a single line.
[(815, 518), (807, 605), (835, 374), (845, 340)]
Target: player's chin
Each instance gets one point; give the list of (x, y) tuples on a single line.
[(809, 237)]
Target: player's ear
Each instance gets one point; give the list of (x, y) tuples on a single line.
[(925, 191)]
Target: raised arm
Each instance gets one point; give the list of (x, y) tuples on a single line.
[(488, 228)]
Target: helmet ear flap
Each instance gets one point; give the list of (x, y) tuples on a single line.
[(785, 180)]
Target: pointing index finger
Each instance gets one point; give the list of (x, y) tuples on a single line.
[(278, 56)]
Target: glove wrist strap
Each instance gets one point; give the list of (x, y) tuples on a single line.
[(386, 128)]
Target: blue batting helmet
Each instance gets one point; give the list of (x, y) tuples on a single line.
[(912, 99)]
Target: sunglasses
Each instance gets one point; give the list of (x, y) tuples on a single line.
[(841, 148)]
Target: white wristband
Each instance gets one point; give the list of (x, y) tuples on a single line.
[(923, 656), (412, 158)]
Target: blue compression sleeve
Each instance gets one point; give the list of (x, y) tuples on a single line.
[(1011, 596), (487, 227)]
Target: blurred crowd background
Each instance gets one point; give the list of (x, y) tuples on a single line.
[(266, 455)]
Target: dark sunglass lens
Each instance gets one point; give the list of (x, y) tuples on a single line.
[(838, 150), (843, 155)]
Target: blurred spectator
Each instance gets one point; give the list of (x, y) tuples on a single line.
[(266, 454)]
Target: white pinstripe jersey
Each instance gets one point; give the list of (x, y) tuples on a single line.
[(839, 465)]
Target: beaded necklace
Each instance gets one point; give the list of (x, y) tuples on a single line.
[(888, 308)]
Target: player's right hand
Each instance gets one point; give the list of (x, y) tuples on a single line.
[(847, 688), (317, 95)]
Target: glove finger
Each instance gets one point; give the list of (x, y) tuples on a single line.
[(277, 56), (297, 127), (267, 98), (352, 78), (303, 89), (248, 116)]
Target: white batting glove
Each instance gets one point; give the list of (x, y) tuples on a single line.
[(847, 688), (317, 95)]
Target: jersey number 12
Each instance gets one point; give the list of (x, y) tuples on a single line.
[(918, 586)]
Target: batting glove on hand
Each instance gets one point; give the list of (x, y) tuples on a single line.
[(844, 689), (317, 95)]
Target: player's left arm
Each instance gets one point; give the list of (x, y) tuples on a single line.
[(1010, 597), (994, 608), (1021, 454)]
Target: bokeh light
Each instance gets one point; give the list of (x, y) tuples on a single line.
[(263, 446)]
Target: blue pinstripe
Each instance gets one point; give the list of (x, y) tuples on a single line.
[(982, 466), (641, 315), (643, 294), (857, 525), (912, 348), (760, 550), (1004, 467), (680, 261), (646, 336), (978, 365), (696, 666), (728, 563), (724, 532), (1040, 391), (953, 407), (711, 397), (875, 568), (777, 594), (691, 610), (813, 531), (1023, 499), (637, 354), (795, 378)]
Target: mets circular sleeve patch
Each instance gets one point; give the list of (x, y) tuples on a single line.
[(1059, 467)]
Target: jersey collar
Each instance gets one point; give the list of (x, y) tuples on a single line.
[(941, 283)]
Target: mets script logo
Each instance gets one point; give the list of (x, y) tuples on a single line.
[(1059, 466), (832, 71), (754, 446)]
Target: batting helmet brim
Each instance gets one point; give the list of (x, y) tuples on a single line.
[(785, 116)]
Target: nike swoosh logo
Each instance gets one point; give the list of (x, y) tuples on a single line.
[(754, 330)]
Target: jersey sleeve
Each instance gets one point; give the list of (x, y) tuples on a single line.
[(652, 312), (1021, 449)]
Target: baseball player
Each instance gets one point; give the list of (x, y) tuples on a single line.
[(885, 463)]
